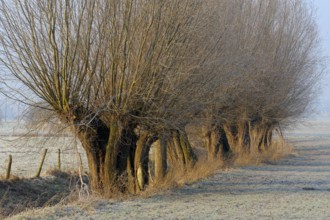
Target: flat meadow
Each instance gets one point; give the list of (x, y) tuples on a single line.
[(295, 187), (26, 148)]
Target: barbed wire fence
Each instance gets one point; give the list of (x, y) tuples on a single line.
[(27, 153)]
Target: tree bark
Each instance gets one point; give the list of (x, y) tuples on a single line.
[(180, 152), (94, 139), (188, 153), (109, 149), (141, 160), (261, 134), (216, 143), (179, 156), (111, 156), (160, 158), (231, 134), (267, 134), (96, 166), (174, 155)]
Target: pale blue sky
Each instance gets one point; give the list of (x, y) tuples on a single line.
[(323, 20)]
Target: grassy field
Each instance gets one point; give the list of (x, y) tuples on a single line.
[(26, 150), (296, 187)]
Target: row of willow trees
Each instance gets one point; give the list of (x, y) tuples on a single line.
[(127, 75)]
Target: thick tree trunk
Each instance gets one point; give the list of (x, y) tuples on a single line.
[(261, 134), (231, 134), (179, 156), (175, 155), (224, 145), (93, 140), (141, 160), (96, 166), (255, 137), (216, 143), (109, 151), (214, 147), (125, 158), (188, 153), (131, 187), (160, 160), (239, 137), (180, 151), (266, 140), (110, 159), (140, 171)]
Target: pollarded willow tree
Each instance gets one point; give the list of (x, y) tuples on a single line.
[(272, 68), (122, 74), (126, 75)]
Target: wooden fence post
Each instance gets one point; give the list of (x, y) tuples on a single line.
[(9, 167), (80, 163), (41, 163), (59, 159)]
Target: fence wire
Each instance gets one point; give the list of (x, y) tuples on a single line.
[(27, 152)]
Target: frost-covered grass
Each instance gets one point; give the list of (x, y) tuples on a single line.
[(26, 148), (296, 187)]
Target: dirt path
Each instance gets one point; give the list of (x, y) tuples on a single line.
[(295, 188)]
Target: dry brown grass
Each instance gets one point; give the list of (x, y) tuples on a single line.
[(58, 187), (18, 195), (279, 150), (176, 178), (179, 178), (276, 151)]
